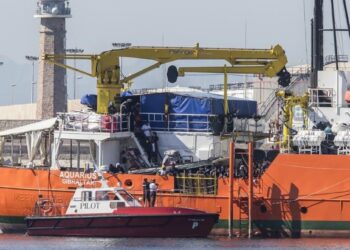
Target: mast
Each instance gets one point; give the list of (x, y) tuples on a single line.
[(317, 41)]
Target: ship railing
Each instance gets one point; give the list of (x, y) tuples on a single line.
[(194, 122), (232, 86), (343, 150), (92, 122), (342, 142), (185, 200), (332, 59), (175, 198), (198, 184), (179, 122), (321, 97), (300, 70)]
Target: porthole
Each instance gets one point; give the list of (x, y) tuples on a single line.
[(303, 210), (128, 183), (263, 208)]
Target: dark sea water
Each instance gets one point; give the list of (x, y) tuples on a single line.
[(17, 241)]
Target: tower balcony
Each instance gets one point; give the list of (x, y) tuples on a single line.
[(53, 9)]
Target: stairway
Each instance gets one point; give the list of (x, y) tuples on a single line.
[(267, 109), (144, 155)]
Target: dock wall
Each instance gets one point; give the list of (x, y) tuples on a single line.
[(22, 114)]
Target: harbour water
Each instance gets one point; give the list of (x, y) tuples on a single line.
[(19, 241)]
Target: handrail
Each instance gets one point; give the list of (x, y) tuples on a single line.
[(80, 121), (188, 123), (140, 148), (265, 108), (316, 96)]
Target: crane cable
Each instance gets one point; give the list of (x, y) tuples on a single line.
[(305, 34), (341, 40)]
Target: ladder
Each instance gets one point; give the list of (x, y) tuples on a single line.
[(243, 220)]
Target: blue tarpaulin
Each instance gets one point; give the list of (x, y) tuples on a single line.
[(190, 112), (89, 100), (126, 93), (186, 104)]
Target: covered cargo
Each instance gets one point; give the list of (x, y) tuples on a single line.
[(190, 112)]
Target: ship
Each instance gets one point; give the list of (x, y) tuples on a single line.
[(208, 155), (63, 153)]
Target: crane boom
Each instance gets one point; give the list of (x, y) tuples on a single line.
[(106, 66)]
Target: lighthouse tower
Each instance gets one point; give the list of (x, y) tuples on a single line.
[(52, 84)]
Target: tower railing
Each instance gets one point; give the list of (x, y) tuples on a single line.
[(53, 8)]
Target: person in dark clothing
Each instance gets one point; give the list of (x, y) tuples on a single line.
[(137, 115), (111, 108), (112, 169), (146, 193), (173, 170)]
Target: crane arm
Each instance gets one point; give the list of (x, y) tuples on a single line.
[(262, 70), (106, 66), (289, 102)]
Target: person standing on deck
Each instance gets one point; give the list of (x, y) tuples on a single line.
[(147, 131), (146, 128), (146, 193), (153, 192)]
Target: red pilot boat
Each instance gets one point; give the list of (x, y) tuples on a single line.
[(113, 212)]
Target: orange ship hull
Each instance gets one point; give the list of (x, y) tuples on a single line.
[(297, 195)]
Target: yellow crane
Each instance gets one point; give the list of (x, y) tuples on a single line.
[(289, 101), (106, 66)]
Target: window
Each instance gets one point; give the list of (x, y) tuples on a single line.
[(102, 195), (86, 196), (112, 196), (126, 196)]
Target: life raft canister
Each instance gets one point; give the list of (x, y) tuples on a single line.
[(109, 123)]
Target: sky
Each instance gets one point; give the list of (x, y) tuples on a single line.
[(96, 24)]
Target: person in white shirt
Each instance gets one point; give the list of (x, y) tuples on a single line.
[(146, 128), (153, 192)]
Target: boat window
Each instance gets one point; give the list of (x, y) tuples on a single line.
[(126, 196), (86, 195), (101, 195), (112, 196)]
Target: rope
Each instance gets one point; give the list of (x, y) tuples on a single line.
[(38, 182), (316, 192), (305, 35), (318, 168), (323, 189)]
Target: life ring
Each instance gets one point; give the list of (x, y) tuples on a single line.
[(46, 207)]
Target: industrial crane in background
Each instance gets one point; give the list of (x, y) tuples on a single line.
[(106, 66)]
